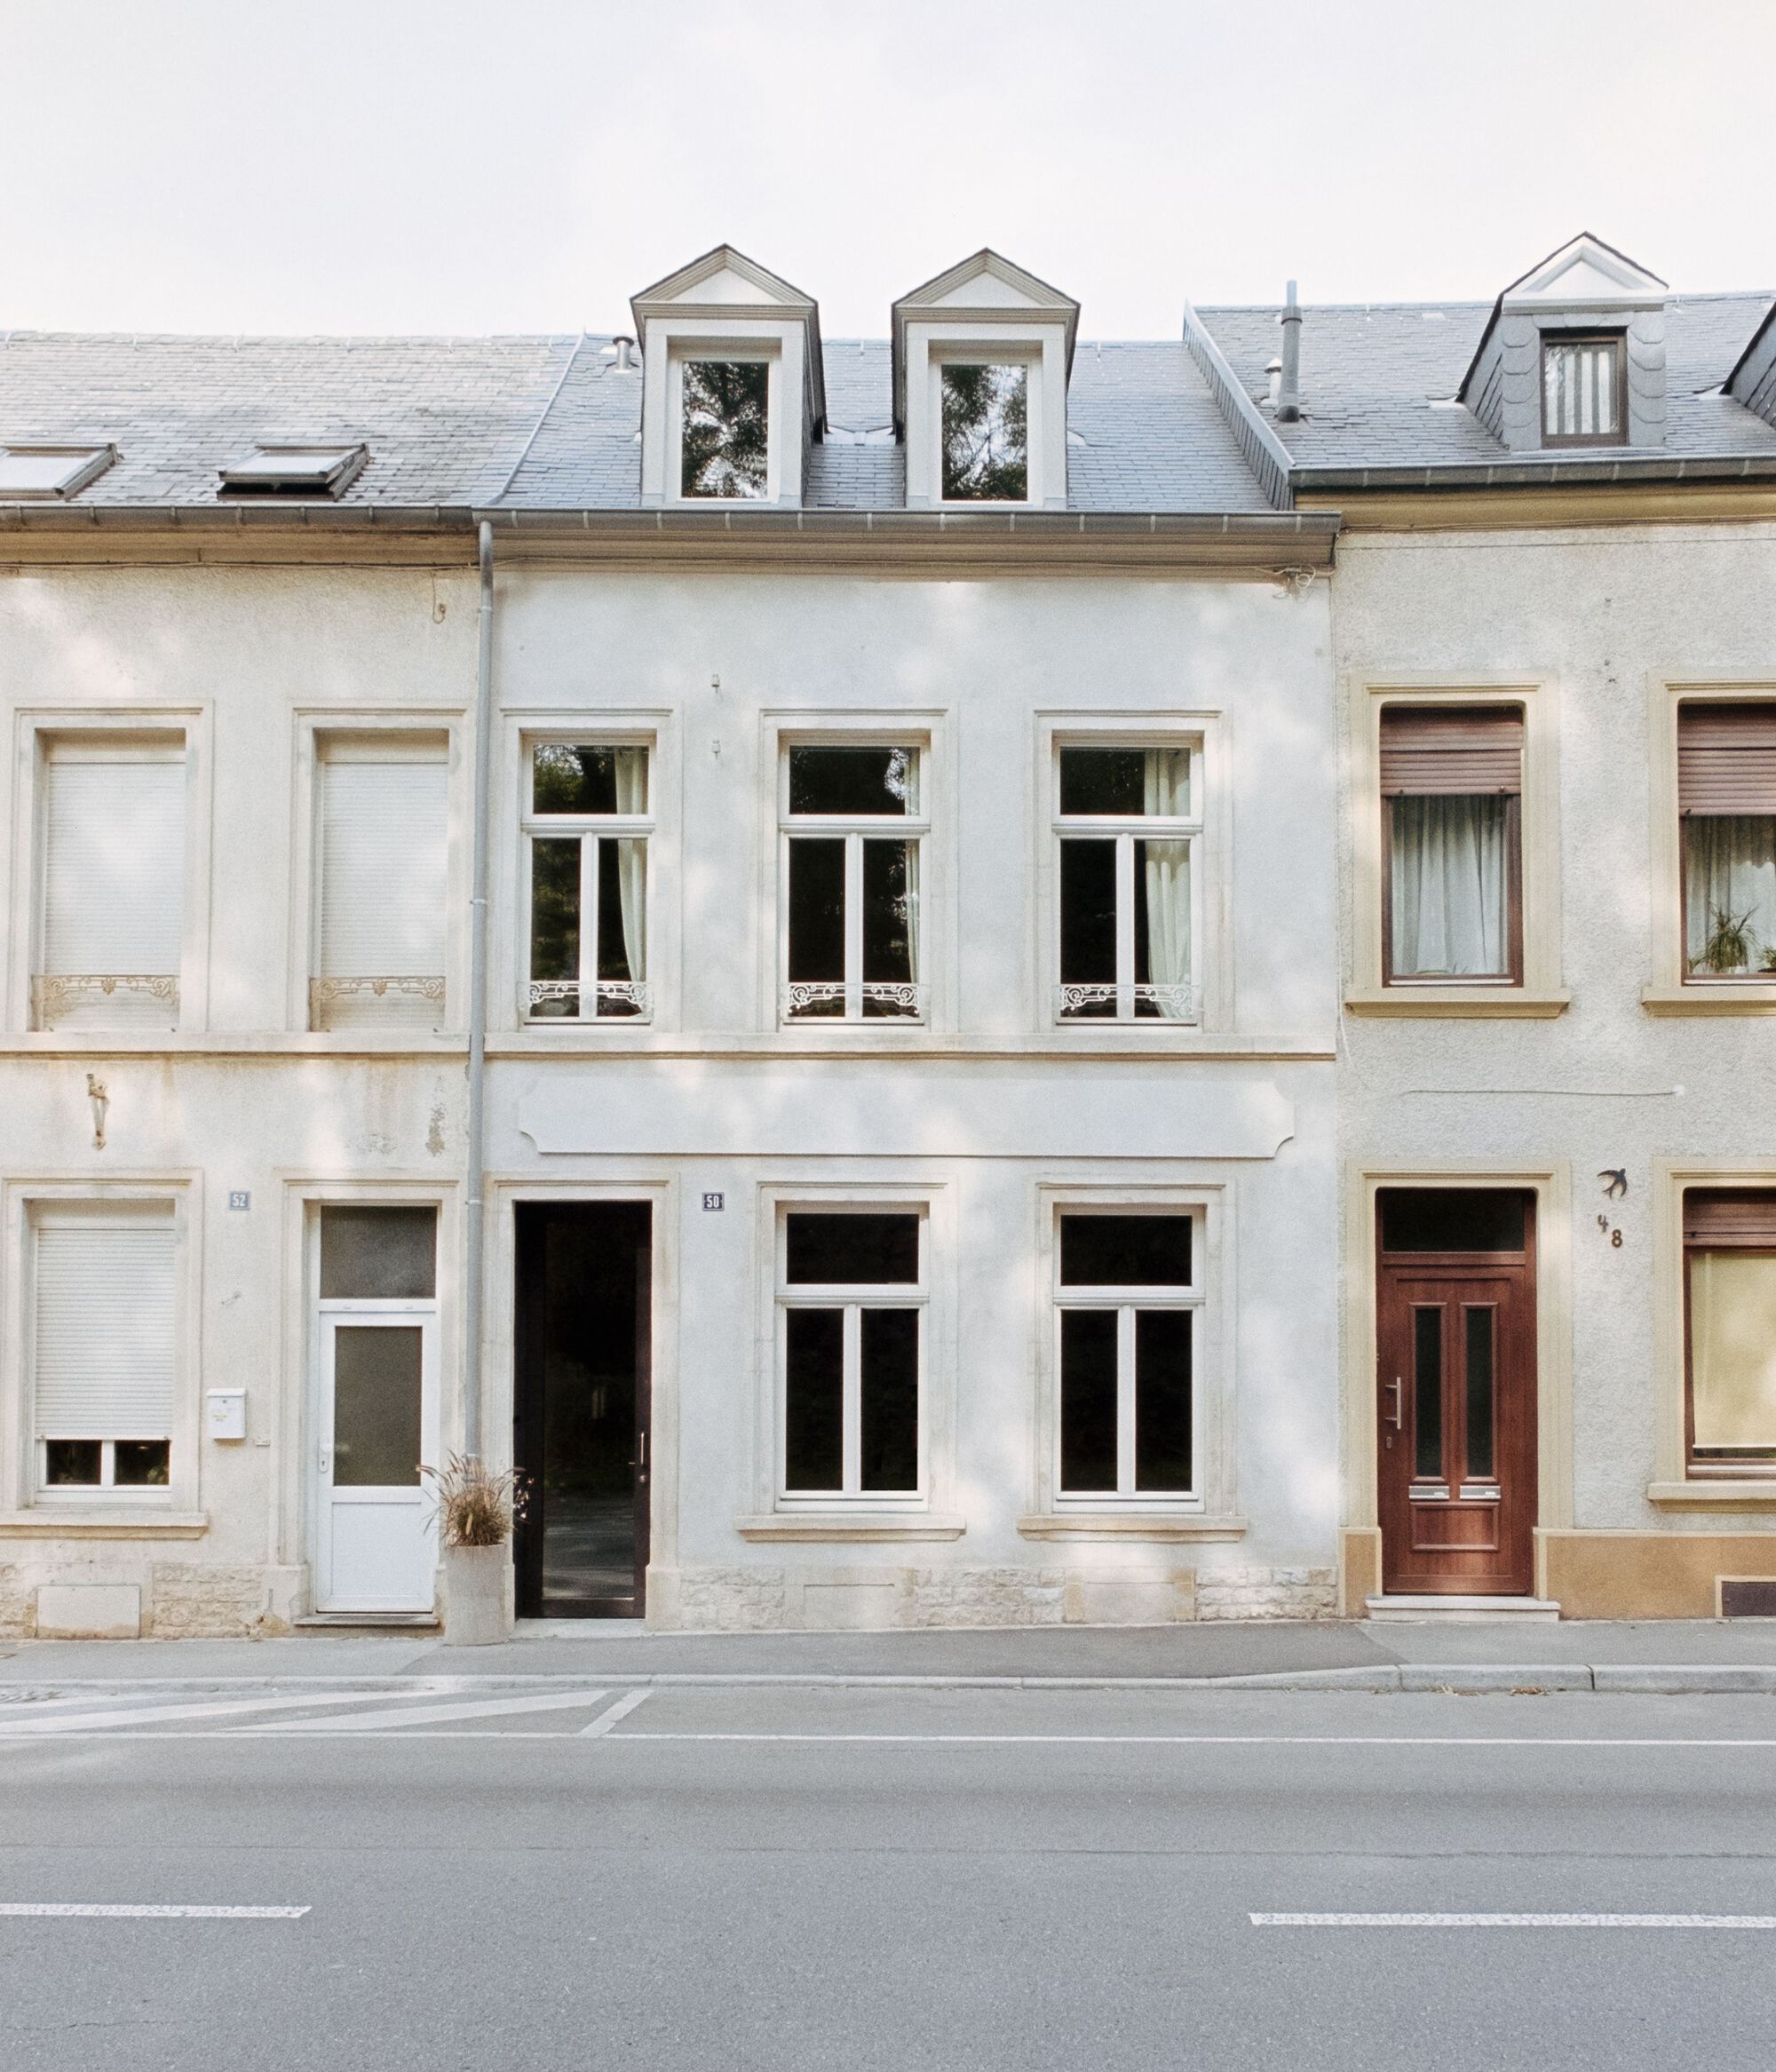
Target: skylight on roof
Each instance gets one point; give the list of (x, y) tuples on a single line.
[(51, 470), (296, 471)]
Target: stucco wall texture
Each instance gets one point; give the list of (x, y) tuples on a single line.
[(1606, 619)]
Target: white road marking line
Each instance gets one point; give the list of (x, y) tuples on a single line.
[(152, 1715), (1221, 1740), (608, 1719), (1512, 1920), (58, 1910), (426, 1715)]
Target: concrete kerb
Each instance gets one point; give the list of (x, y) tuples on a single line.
[(1524, 1680)]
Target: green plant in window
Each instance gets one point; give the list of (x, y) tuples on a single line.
[(1729, 944), (1767, 962)]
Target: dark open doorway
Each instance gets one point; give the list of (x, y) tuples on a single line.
[(581, 1430)]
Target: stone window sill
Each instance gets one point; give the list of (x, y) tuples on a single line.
[(1724, 1494), (90, 1522), (1752, 997), (1129, 1525), (860, 1525), (1459, 1003)]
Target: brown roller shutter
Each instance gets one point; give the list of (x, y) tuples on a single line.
[(1726, 758), (1446, 751), (1723, 1218)]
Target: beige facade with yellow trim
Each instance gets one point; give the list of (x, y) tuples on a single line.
[(1604, 1059)]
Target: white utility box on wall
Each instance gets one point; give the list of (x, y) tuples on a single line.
[(226, 1413)]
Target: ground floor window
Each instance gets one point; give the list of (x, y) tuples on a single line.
[(852, 1298), (104, 1345), (1730, 1305), (1126, 1297)]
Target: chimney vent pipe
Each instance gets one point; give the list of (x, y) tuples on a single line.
[(1288, 391)]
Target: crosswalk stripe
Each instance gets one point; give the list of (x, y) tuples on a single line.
[(152, 1715), (63, 1910), (432, 1715), (1512, 1920)]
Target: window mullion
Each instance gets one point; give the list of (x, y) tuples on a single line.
[(853, 927), (589, 923), (1125, 1402), (854, 1400), (1125, 926)]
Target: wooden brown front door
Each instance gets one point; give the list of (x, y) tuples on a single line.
[(1456, 1392)]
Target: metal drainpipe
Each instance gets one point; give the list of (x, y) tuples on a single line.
[(475, 1245)]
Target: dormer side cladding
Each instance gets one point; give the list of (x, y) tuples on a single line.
[(1753, 382), (1506, 389)]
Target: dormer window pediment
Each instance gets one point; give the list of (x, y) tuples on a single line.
[(733, 391), (982, 355)]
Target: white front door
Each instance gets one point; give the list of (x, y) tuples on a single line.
[(375, 1541)]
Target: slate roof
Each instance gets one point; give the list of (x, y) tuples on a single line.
[(1377, 381), (444, 418), (548, 423)]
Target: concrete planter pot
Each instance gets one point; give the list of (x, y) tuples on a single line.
[(478, 1587)]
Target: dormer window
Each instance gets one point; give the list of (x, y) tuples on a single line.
[(986, 432), (1584, 381), (309, 470), (724, 428), (981, 359), (732, 395)]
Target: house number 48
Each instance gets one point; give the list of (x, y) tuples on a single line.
[(1603, 1223)]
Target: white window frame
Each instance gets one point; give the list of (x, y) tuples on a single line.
[(1125, 1302), (587, 829), (1126, 829), (853, 1299), (681, 347), (915, 828), (172, 1506), (1026, 353)]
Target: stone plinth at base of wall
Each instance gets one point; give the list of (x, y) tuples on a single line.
[(877, 1598)]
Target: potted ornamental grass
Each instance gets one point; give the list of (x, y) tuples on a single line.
[(476, 1511)]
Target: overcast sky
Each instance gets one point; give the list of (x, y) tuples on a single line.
[(518, 165)]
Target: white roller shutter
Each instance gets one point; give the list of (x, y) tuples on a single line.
[(384, 886), (114, 880), (104, 1337)]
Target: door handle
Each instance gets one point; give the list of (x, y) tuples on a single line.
[(1396, 1415)]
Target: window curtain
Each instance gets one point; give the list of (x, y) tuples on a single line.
[(631, 860), (1167, 868), (1450, 893), (1728, 892), (911, 902)]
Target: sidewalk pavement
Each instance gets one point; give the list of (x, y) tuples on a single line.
[(1686, 1656)]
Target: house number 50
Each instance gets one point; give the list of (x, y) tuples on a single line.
[(1603, 1223)]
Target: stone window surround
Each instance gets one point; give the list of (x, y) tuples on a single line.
[(35, 727), (1209, 1511), (1540, 994), (933, 1514), (1041, 346), (1670, 992), (923, 728), (1211, 960), (1673, 1487), (685, 342), (311, 724), (140, 1513)]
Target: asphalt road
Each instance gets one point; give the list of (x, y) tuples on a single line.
[(854, 1879)]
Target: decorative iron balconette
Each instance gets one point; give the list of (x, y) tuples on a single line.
[(58, 998), (864, 1000), (1111, 1002), (351, 1001), (611, 1000)]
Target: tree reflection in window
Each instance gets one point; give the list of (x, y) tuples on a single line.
[(727, 429), (986, 434)]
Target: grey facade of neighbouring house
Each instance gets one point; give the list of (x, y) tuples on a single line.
[(1039, 1051)]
